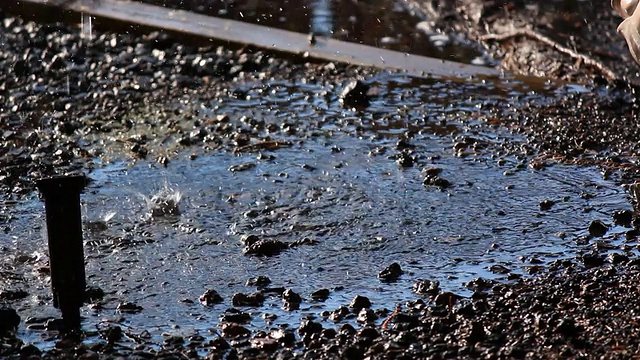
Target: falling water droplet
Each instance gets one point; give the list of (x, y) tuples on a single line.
[(85, 22)]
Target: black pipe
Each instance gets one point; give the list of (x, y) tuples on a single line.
[(66, 254)]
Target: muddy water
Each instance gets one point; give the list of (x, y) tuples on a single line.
[(338, 184)]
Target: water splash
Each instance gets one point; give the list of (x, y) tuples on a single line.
[(165, 202), (101, 224)]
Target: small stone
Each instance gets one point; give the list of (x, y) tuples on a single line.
[(567, 327), (210, 297), (11, 295), (308, 327), (128, 307), (93, 294), (546, 205), (290, 296), (366, 316), (447, 299), (235, 316), (253, 300), (405, 159), (474, 333), (355, 94), (436, 181), (9, 319), (264, 343), (391, 272), (259, 281), (339, 314), (426, 287), (285, 337), (499, 269), (617, 258), (592, 260), (234, 330), (597, 228), (268, 247), (623, 217), (320, 295), (248, 240), (360, 302)]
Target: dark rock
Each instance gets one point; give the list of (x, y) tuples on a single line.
[(623, 217), (436, 181), (568, 327), (303, 241), (366, 316), (290, 296), (426, 287), (360, 302), (339, 314), (234, 330), (30, 351), (355, 94), (592, 260), (129, 307), (285, 337), (268, 247), (210, 297), (9, 319), (278, 291), (235, 316), (447, 299), (474, 332), (480, 284), (597, 228), (391, 272), (499, 269), (546, 205), (252, 300), (93, 294), (12, 295), (264, 343), (320, 295), (347, 329), (259, 281), (368, 332), (112, 334), (617, 258), (248, 240), (308, 327), (405, 160)]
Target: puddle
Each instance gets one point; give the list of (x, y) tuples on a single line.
[(338, 184)]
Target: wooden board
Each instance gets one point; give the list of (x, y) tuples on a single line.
[(267, 38)]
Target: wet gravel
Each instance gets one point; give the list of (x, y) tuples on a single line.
[(61, 96)]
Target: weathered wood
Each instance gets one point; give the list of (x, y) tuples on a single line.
[(267, 38)]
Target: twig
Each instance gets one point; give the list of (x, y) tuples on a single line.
[(580, 58), (386, 321)]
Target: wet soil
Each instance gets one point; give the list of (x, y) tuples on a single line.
[(588, 27), (126, 107)]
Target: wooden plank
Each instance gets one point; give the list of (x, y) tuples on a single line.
[(267, 38)]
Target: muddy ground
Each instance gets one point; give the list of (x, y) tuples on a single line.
[(66, 101)]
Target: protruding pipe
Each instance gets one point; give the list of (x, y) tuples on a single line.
[(66, 254)]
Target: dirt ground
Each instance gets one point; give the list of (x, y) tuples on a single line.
[(567, 39)]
